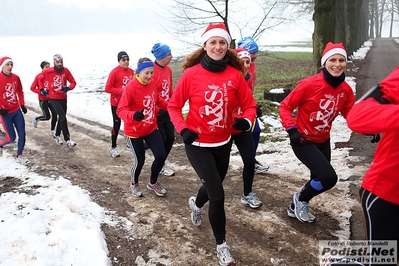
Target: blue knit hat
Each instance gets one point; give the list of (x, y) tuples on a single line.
[(160, 51), (249, 44)]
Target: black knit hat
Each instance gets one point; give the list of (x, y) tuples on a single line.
[(121, 55)]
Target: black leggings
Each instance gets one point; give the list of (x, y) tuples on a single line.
[(115, 127), (46, 108), (381, 218), (60, 107), (245, 146), (317, 157), (167, 131), (154, 141), (211, 165)]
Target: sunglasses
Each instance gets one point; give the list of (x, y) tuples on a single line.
[(125, 59)]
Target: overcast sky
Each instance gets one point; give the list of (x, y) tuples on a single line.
[(63, 17)]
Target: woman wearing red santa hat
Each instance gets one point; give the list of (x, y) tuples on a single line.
[(318, 100), (211, 82), (11, 103)]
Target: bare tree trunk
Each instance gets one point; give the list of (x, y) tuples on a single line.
[(372, 18), (392, 19), (364, 21), (381, 18), (376, 19), (352, 25), (324, 28)]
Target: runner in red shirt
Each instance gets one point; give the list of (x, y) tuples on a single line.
[(318, 99), (211, 81), (380, 187), (116, 82)]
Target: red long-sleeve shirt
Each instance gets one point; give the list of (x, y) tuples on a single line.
[(163, 79), (210, 96), (136, 97), (371, 117), (55, 82), (36, 88), (318, 105), (11, 92), (116, 82)]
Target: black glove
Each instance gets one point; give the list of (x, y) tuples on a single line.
[(3, 112), (23, 108), (258, 111), (43, 92), (65, 89), (241, 124), (138, 115), (295, 136), (188, 136), (376, 137)]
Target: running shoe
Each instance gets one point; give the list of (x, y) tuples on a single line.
[(22, 159), (300, 208), (167, 172), (259, 168), (196, 216), (157, 188), (291, 213), (34, 122), (70, 143), (58, 140), (115, 153), (224, 256), (135, 189), (251, 200)]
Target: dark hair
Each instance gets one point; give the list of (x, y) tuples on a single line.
[(42, 64), (195, 57)]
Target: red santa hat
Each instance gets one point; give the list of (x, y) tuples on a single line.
[(216, 30), (242, 53), (331, 49), (4, 61)]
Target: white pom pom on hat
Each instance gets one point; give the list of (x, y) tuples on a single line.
[(332, 49), (216, 30)]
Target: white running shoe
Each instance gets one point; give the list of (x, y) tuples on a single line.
[(135, 189), (300, 208), (157, 188), (291, 213), (115, 153), (196, 217), (52, 133), (252, 200), (22, 159), (34, 122), (224, 256), (259, 168), (58, 140), (167, 172), (71, 143)]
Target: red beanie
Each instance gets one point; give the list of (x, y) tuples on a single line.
[(331, 49), (4, 61), (242, 53), (216, 30)]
